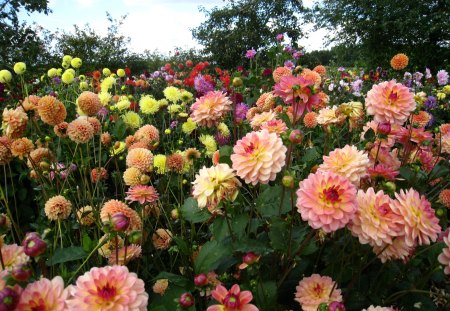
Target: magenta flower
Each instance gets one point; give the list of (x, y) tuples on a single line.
[(250, 54)]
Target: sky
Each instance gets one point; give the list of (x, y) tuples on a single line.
[(151, 24)]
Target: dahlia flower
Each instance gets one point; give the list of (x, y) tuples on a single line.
[(21, 147), (38, 155), (210, 109), (13, 256), (80, 130), (266, 101), (444, 257), (232, 300), (159, 163), (326, 200), (280, 72), (142, 194), (328, 116), (89, 103), (260, 118), (111, 288), (258, 157), (214, 184), (147, 133), (14, 122), (348, 162), (320, 69), (51, 110), (374, 222), (132, 176), (397, 250), (210, 144), (390, 102), (85, 215), (58, 208), (140, 158), (132, 120), (125, 255), (110, 243), (175, 163), (378, 308), (160, 286), (310, 119), (421, 223), (296, 91), (275, 126), (148, 105), (444, 198), (44, 294), (172, 94), (399, 61), (112, 207), (316, 289), (162, 239), (313, 76), (442, 77)]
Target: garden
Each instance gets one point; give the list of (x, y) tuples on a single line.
[(269, 186)]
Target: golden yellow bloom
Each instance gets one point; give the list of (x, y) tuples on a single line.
[(105, 98), (223, 129), (163, 103), (107, 83), (189, 126), (159, 163), (132, 119), (148, 105), (122, 104), (172, 94)]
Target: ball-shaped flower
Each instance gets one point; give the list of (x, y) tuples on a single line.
[(51, 110), (58, 208), (390, 102), (111, 288), (14, 122), (316, 289), (89, 103), (326, 201), (210, 109), (140, 158), (258, 157), (399, 61), (80, 130), (5, 76), (348, 162)]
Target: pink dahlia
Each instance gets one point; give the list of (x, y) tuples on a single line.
[(421, 223), (326, 200), (44, 294), (374, 222), (382, 171), (390, 102), (142, 194), (397, 250), (316, 289), (275, 126), (232, 300), (258, 157), (348, 162), (387, 141), (444, 257), (13, 256), (111, 288), (296, 91), (210, 109)]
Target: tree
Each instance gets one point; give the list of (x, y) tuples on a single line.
[(20, 41), (383, 28), (241, 25)]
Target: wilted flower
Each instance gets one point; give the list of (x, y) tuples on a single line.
[(160, 286), (162, 239)]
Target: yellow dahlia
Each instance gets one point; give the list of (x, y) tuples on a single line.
[(132, 119), (210, 144), (258, 157), (172, 94), (189, 126), (148, 105)]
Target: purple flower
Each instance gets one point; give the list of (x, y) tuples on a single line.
[(156, 74), (241, 112), (288, 49), (341, 69), (57, 80), (297, 54), (221, 139), (428, 73), (430, 103), (356, 87), (103, 112), (289, 64), (202, 86), (250, 54), (442, 77), (280, 37), (169, 78), (173, 124)]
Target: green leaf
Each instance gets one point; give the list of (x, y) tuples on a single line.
[(266, 295), (219, 227), (250, 245), (192, 213), (211, 256), (182, 245), (87, 243), (311, 155), (67, 254), (225, 153), (119, 129), (268, 202), (176, 279), (369, 135)]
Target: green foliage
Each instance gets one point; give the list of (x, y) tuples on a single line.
[(63, 255)]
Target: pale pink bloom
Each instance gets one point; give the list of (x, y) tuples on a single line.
[(210, 109), (316, 289), (44, 294), (385, 157), (445, 144), (142, 194), (275, 126), (397, 250), (348, 162), (421, 223), (374, 222), (390, 102), (258, 157), (326, 201), (13, 256), (378, 308), (260, 118), (444, 257), (111, 288), (232, 300), (125, 255)]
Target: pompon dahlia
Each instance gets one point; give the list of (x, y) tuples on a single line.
[(210, 109), (147, 133), (58, 208), (21, 147), (444, 198), (310, 119), (175, 163), (125, 255), (38, 155), (14, 122), (312, 76), (51, 110), (96, 125), (390, 102), (5, 150), (162, 239), (142, 194), (444, 257), (258, 157), (113, 206), (214, 184), (13, 256), (348, 162), (111, 288), (61, 129), (132, 176), (80, 130), (280, 72), (316, 289), (232, 300), (326, 201), (140, 158), (375, 222), (421, 223), (266, 101), (275, 126), (320, 69), (89, 103), (44, 294), (399, 61)]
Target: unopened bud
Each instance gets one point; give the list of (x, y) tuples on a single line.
[(201, 280), (21, 273), (384, 128), (33, 245), (288, 181), (120, 222), (174, 214), (296, 137), (135, 237), (336, 306), (186, 300), (237, 82)]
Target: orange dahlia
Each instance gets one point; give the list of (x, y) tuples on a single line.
[(258, 157), (266, 101), (80, 130), (132, 176), (58, 208), (311, 75), (5, 150), (30, 102), (162, 239), (140, 158), (444, 198), (399, 61), (14, 122), (89, 103), (38, 155), (421, 119), (21, 147), (280, 72), (51, 110), (320, 69), (390, 102), (61, 129), (175, 162), (210, 109)]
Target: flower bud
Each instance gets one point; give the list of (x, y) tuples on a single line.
[(8, 299), (389, 187), (201, 280), (135, 237), (21, 273), (384, 128), (237, 82), (144, 179), (5, 223), (296, 137), (186, 300), (33, 245), (288, 181), (250, 258), (322, 307), (120, 222), (174, 214), (336, 306)]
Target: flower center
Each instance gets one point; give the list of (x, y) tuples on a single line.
[(107, 292), (249, 148), (393, 97), (331, 194), (318, 290), (383, 209), (231, 302)]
